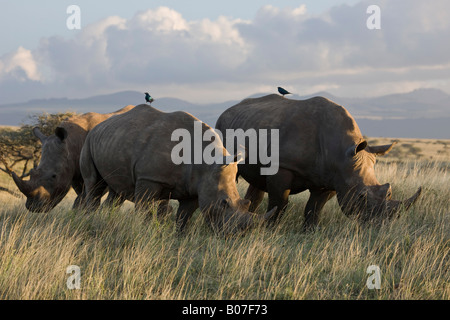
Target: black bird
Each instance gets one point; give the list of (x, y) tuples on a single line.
[(148, 98), (283, 91)]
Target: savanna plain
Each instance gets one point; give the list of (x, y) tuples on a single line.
[(123, 254)]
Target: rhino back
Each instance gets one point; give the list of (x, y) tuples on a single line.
[(137, 145), (77, 128)]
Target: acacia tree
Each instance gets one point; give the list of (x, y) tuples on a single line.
[(20, 148)]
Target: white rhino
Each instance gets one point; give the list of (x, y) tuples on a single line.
[(321, 149), (131, 155), (59, 167)]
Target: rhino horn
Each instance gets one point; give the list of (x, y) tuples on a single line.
[(23, 186), (395, 205), (38, 134), (381, 150), (409, 202)]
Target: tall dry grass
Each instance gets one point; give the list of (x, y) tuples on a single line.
[(124, 254)]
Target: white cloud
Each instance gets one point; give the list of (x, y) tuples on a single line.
[(162, 19), (19, 65), (95, 31), (269, 11), (227, 58)]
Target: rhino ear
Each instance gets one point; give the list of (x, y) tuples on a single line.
[(353, 150), (61, 133), (239, 157), (381, 150)]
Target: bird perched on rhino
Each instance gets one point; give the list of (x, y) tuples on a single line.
[(148, 98), (283, 91)]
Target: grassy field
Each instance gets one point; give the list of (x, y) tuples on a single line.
[(124, 255), (415, 149)]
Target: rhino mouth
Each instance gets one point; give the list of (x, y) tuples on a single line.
[(38, 198), (34, 205), (44, 204), (368, 209), (232, 222)]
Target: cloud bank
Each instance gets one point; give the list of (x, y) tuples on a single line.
[(206, 60)]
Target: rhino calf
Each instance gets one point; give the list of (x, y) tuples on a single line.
[(59, 168), (321, 149), (131, 155)]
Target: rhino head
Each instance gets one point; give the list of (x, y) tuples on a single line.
[(51, 180), (359, 193), (224, 209)]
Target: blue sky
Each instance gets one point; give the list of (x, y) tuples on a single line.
[(211, 51)]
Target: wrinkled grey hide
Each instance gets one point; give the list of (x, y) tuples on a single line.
[(321, 150), (131, 155), (59, 167)]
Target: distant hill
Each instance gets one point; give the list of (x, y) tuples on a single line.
[(423, 113)]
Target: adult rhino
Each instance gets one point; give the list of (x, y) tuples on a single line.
[(131, 154), (59, 168), (320, 149)]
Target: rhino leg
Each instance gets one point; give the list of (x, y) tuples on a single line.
[(279, 188), (78, 201), (185, 211), (94, 193), (113, 200), (314, 206), (256, 196), (95, 187), (145, 195), (77, 185), (164, 208)]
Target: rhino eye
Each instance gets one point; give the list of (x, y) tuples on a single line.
[(53, 176), (362, 197), (224, 203)]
